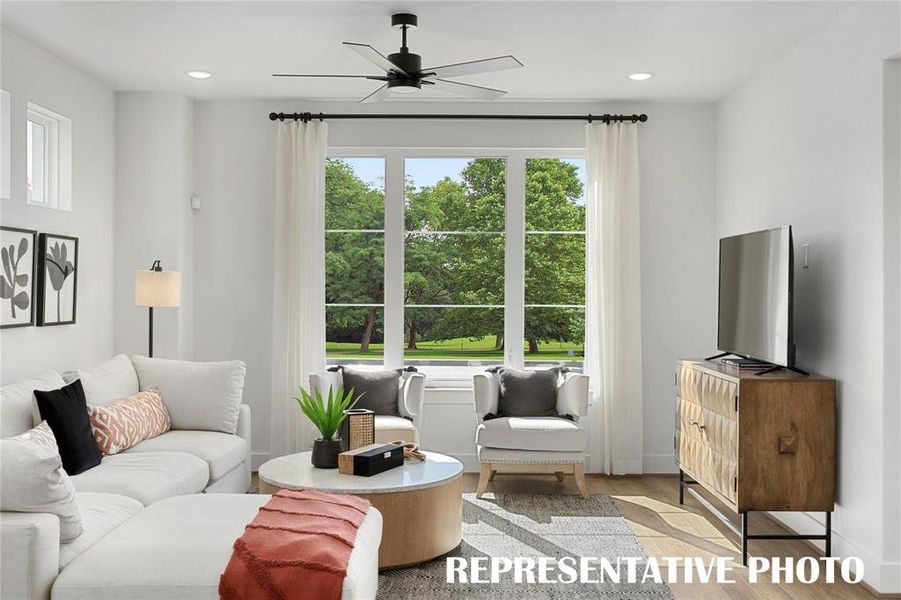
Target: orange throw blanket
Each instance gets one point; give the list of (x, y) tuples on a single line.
[(296, 548)]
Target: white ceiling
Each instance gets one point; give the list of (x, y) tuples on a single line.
[(571, 50)]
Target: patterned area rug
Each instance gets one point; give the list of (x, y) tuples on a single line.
[(529, 525)]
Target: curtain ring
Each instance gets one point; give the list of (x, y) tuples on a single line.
[(321, 118)]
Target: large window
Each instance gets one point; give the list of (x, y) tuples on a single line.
[(455, 262)]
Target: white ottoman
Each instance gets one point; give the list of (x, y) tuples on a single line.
[(178, 548)]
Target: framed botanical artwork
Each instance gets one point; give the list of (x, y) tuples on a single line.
[(17, 287), (57, 279)]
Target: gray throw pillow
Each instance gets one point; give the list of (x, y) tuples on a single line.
[(378, 388), (528, 393)]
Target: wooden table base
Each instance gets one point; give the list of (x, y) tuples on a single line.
[(417, 525)]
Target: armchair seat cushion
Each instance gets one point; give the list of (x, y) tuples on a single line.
[(221, 451), (549, 434), (389, 429)]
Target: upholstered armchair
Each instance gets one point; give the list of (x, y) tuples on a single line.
[(406, 424), (547, 444)]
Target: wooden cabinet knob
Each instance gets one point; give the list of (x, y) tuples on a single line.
[(788, 444)]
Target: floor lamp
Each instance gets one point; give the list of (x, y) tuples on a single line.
[(155, 288)]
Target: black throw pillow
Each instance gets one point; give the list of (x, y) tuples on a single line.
[(527, 393), (66, 412), (379, 389)]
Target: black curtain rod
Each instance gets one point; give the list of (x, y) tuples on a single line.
[(307, 117)]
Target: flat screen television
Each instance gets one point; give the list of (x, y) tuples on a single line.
[(755, 296)]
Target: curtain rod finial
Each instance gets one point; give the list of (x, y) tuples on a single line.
[(273, 116)]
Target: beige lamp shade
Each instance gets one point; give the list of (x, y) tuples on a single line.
[(157, 288)]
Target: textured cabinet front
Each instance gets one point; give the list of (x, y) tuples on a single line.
[(757, 442)]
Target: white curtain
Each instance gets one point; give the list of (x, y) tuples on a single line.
[(299, 295), (613, 298)]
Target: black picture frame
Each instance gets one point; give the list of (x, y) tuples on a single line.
[(45, 253), (31, 272)]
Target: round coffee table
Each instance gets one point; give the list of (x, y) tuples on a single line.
[(421, 502)]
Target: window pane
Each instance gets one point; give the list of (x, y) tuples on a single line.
[(555, 194), (354, 335), (442, 336), (454, 269), (455, 194), (354, 267), (34, 169), (555, 336), (555, 268), (355, 193)]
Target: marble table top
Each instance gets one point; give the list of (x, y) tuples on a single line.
[(294, 471)]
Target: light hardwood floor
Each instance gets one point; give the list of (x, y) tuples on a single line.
[(650, 505)]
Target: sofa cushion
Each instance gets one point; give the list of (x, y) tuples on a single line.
[(66, 411), (532, 433), (179, 547), (146, 476), (389, 429), (17, 410), (32, 479), (198, 395), (221, 451), (114, 379), (100, 514)]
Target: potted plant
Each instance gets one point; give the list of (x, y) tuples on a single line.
[(327, 416)]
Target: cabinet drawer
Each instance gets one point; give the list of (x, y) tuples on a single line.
[(713, 393), (707, 446)]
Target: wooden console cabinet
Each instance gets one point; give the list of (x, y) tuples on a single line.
[(756, 442)]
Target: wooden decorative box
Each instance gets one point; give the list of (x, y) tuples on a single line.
[(371, 460)]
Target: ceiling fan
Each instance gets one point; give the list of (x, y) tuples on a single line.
[(404, 73)]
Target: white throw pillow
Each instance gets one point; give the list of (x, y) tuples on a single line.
[(114, 379), (198, 395), (33, 480)]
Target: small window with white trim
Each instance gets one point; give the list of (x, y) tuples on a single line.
[(48, 163)]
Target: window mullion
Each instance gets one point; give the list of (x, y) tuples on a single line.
[(514, 262), (394, 260)]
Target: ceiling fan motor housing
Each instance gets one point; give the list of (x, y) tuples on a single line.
[(408, 62)]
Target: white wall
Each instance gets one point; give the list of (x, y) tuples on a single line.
[(154, 178), (31, 74), (802, 144), (234, 175)]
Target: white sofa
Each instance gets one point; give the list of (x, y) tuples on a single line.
[(148, 533)]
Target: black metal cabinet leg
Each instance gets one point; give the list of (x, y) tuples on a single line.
[(744, 539), (829, 533), (681, 487)]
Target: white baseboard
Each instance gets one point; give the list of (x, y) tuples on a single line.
[(257, 459), (654, 464)]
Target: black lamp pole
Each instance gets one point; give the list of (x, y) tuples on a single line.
[(154, 267)]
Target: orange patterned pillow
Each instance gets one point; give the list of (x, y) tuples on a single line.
[(123, 423)]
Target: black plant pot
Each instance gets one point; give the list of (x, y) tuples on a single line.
[(325, 453)]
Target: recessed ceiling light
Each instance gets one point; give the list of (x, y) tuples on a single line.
[(640, 76), (199, 74)]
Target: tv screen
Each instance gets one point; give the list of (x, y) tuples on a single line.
[(755, 296)]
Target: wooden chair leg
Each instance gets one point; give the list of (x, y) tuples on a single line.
[(559, 475), (579, 472), (484, 478), (493, 473)]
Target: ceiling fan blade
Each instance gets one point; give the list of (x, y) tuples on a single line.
[(376, 77), (377, 96), (474, 67), (465, 89), (374, 56)]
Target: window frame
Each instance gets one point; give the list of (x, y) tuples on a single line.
[(514, 248), (57, 159)]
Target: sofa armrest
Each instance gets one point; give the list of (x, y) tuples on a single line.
[(29, 545), (486, 393), (412, 394), (572, 395), (243, 432)]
